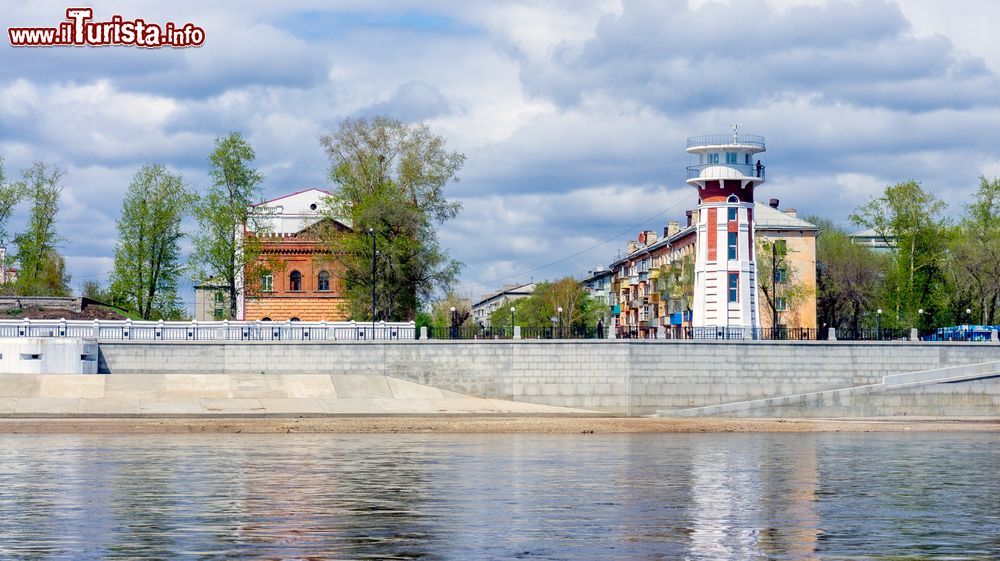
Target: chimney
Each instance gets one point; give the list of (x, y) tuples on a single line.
[(632, 246), (773, 203), (650, 237), (791, 212), (689, 214), (672, 228), (642, 237)]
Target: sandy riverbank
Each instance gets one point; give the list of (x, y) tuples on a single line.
[(482, 425)]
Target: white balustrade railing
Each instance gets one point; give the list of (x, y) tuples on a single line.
[(128, 330)]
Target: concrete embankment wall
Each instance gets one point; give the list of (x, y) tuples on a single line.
[(624, 377)]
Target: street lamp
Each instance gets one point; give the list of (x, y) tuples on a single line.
[(454, 323), (371, 232), (920, 318), (968, 316), (512, 321), (878, 323), (562, 328)]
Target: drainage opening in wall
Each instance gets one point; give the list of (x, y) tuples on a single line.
[(25, 356)]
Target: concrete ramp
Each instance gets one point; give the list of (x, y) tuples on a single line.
[(242, 395), (961, 391)]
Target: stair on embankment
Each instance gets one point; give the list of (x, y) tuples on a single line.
[(959, 391)]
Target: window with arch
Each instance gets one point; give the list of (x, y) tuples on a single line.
[(323, 281), (295, 281)]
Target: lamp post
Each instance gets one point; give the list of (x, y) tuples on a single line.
[(562, 328), (371, 232), (454, 323), (878, 323), (920, 318), (968, 316), (512, 322)]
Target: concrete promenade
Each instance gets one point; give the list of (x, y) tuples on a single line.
[(242, 395)]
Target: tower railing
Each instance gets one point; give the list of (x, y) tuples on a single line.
[(746, 170), (754, 140)]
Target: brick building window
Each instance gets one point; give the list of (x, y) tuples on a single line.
[(780, 304), (295, 281), (323, 281), (733, 238), (734, 287), (267, 282)]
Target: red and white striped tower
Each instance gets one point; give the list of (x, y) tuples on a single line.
[(728, 169)]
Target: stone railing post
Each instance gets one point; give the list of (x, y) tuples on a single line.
[(914, 334), (423, 333), (831, 334), (62, 327), (97, 329), (994, 336), (127, 333), (27, 328), (517, 331), (158, 331), (222, 333)]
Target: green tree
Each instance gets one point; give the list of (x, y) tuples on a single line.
[(676, 284), (390, 178), (973, 262), (42, 271), (441, 311), (850, 278), (10, 195), (147, 255), (910, 221), (219, 249), (537, 310)]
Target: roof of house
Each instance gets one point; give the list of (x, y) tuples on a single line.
[(516, 289), (288, 195), (768, 218)]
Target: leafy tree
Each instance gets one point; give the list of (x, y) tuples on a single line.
[(93, 290), (42, 271), (441, 311), (220, 250), (676, 284), (390, 178), (849, 277), (910, 221), (147, 255), (777, 278), (973, 262), (537, 310), (10, 195)]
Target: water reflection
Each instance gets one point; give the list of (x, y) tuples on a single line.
[(764, 496)]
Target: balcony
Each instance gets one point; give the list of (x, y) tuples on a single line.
[(725, 171), (748, 141)]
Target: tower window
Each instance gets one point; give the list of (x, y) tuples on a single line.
[(732, 199), (732, 214), (295, 281), (731, 158), (734, 287), (733, 238)]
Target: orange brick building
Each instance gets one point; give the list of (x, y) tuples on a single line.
[(295, 277)]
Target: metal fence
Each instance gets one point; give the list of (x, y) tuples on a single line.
[(506, 332), (128, 330)]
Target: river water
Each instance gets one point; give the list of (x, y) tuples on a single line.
[(587, 497)]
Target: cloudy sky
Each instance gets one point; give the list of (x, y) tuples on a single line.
[(573, 115)]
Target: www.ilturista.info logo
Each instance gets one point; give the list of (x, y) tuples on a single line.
[(79, 31)]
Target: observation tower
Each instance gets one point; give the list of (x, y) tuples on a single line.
[(728, 168)]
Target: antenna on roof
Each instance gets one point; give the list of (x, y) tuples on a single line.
[(736, 129)]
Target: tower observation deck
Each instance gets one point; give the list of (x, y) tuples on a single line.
[(726, 156)]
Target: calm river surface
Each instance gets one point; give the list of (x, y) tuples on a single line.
[(701, 496)]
